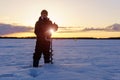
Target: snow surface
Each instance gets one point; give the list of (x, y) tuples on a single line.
[(73, 60)]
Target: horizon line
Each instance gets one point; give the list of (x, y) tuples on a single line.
[(59, 38)]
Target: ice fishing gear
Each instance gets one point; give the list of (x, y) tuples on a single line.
[(51, 52), (49, 38)]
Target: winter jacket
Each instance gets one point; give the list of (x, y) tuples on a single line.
[(42, 27)]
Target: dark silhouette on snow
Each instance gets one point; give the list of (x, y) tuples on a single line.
[(42, 27)]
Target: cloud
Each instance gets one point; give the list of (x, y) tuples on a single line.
[(8, 29), (93, 29), (113, 28), (69, 29)]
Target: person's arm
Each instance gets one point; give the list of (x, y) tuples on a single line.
[(39, 30), (36, 28), (55, 27)]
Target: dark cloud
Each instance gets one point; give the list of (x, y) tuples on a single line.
[(8, 29), (113, 28)]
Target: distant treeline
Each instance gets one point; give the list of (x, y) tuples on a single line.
[(58, 38)]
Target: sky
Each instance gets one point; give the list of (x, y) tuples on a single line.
[(72, 14)]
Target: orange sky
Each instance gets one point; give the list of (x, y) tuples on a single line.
[(75, 13), (95, 34)]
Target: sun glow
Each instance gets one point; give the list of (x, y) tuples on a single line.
[(51, 31)]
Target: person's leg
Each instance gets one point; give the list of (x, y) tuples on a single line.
[(36, 58), (46, 57), (46, 53), (37, 55)]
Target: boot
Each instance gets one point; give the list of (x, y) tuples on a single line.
[(47, 59), (35, 63)]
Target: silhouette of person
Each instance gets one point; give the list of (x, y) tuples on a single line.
[(42, 27)]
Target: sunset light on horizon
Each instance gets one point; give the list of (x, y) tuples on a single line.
[(75, 18)]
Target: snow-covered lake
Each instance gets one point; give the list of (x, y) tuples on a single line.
[(73, 60)]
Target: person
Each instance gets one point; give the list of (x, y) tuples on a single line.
[(42, 27)]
